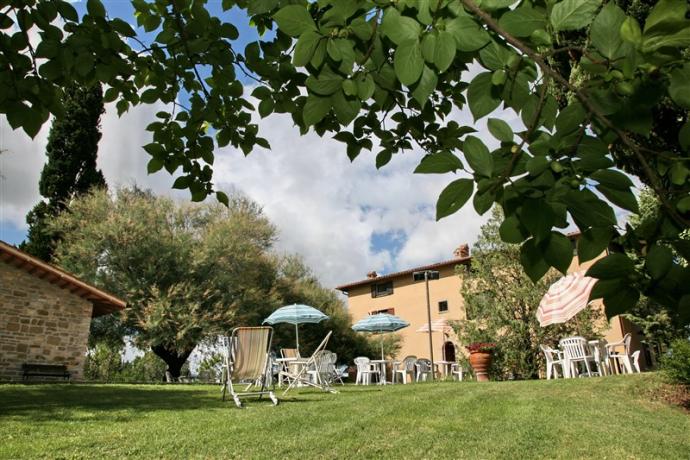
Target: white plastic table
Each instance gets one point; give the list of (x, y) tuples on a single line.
[(381, 363), (445, 365)]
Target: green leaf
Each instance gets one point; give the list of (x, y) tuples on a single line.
[(149, 96), (383, 158), (630, 31), (511, 231), (67, 11), (679, 87), (523, 21), (532, 260), (155, 164), (480, 96), (683, 204), (222, 197), (559, 252), (537, 165), (429, 47), (349, 87), (483, 202), (444, 52), (659, 260), (305, 47), (182, 182), (588, 210), (478, 156), (346, 109), (366, 87), (266, 107), (605, 32), (613, 179), (570, 118), (438, 163), (315, 109), (400, 29), (491, 5), (408, 62), (469, 35), (619, 299), (573, 14), (593, 242), (327, 83), (495, 56), (294, 20), (538, 218), (666, 26), (684, 136), (425, 86), (613, 266), (95, 8), (453, 197), (500, 130), (622, 198)]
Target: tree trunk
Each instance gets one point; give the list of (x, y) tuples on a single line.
[(173, 359)]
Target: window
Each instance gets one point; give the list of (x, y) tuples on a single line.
[(390, 311), (382, 289), (443, 306)]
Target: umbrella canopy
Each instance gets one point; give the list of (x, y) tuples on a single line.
[(383, 322), (296, 314), (439, 325), (565, 299)]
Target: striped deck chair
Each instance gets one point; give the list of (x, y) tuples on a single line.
[(318, 361), (247, 361)]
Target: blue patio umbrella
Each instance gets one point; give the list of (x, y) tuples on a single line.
[(380, 323), (296, 314)]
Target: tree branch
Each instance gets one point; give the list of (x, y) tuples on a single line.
[(653, 178)]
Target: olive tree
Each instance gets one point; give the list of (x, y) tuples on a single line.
[(186, 271)]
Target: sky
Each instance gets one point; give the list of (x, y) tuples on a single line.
[(345, 219)]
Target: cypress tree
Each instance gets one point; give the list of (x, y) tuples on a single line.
[(71, 167)]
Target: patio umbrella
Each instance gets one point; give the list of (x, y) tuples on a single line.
[(439, 325), (565, 299), (296, 314), (383, 322)]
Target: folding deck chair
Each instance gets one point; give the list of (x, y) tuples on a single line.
[(247, 361), (318, 362)]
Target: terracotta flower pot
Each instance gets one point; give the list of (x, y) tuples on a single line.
[(481, 361)]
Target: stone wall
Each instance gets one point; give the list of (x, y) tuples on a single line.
[(40, 323)]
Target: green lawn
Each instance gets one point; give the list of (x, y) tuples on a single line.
[(600, 418)]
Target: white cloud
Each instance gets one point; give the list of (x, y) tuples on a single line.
[(326, 208)]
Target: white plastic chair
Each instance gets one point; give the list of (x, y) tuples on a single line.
[(601, 356), (551, 363), (365, 370), (423, 369), (407, 367), (456, 369), (576, 350), (636, 361), (622, 356)]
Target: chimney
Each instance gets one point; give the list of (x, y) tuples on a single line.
[(462, 251), (372, 275)]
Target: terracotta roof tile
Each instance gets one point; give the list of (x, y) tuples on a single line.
[(103, 303), (456, 261)]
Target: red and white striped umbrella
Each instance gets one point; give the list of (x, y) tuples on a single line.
[(565, 299)]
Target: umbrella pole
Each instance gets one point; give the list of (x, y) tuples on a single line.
[(382, 357), (297, 336)]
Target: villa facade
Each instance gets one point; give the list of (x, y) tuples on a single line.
[(400, 294)]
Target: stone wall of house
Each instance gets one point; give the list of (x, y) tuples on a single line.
[(40, 323)]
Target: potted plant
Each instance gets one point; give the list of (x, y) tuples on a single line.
[(481, 354)]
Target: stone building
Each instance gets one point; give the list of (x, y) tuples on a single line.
[(45, 314)]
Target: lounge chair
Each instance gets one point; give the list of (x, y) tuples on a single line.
[(247, 361), (319, 361)]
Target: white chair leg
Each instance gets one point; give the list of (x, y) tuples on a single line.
[(626, 363), (589, 372), (549, 368)]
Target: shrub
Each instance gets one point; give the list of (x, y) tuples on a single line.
[(676, 364)]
